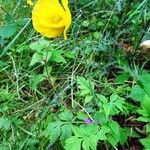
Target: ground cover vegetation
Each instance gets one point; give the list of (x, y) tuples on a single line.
[(90, 92)]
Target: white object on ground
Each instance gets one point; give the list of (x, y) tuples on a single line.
[(145, 44)]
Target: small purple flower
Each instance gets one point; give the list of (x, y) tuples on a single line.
[(88, 121)]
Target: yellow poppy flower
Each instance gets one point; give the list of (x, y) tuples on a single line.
[(29, 2), (50, 18)]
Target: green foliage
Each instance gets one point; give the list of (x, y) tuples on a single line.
[(113, 106), (66, 115), (85, 135), (51, 88), (145, 110), (141, 92), (36, 80), (44, 53), (6, 96), (8, 30), (5, 123), (56, 130), (121, 78), (86, 89), (146, 143), (61, 129), (53, 131), (142, 89), (73, 143)]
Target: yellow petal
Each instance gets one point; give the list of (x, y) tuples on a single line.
[(50, 19), (68, 17), (65, 4), (50, 32)]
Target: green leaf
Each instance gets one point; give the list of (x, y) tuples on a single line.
[(66, 115), (120, 104), (40, 45), (5, 123), (144, 111), (66, 132), (53, 79), (102, 99), (85, 131), (47, 55), (85, 23), (91, 129), (146, 104), (112, 140), (84, 92), (73, 143), (122, 78), (114, 135), (134, 134), (36, 58), (86, 144), (47, 71), (137, 93), (79, 132), (36, 80), (49, 119), (57, 56), (143, 119), (93, 142), (87, 134), (102, 133), (55, 134), (8, 30), (96, 35), (146, 143), (53, 131), (81, 115), (2, 63), (148, 128), (69, 54), (145, 80), (112, 107), (5, 95), (116, 129), (86, 88), (113, 97), (107, 109), (100, 117), (88, 98), (125, 133)]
